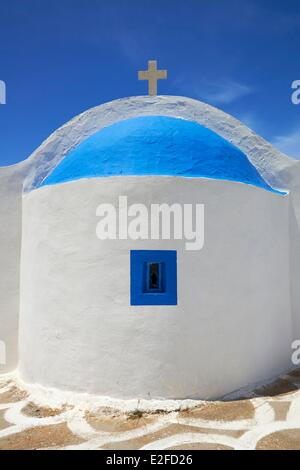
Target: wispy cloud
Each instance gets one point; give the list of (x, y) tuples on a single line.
[(289, 144), (224, 92), (221, 92), (129, 45)]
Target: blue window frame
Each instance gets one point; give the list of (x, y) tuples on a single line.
[(153, 277)]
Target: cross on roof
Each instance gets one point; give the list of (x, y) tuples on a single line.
[(152, 75)]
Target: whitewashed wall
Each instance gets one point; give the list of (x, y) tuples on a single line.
[(232, 326), (277, 169), (11, 181)]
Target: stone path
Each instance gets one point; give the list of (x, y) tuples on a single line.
[(269, 419)]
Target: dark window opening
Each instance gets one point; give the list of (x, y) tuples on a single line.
[(154, 275)]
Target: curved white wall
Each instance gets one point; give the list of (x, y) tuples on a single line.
[(231, 328), (11, 182), (275, 167)]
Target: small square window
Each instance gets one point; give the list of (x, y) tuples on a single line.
[(153, 277)]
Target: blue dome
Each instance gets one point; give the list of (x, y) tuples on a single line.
[(156, 145)]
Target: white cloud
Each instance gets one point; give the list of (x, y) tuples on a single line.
[(129, 45), (215, 92), (289, 144), (225, 92)]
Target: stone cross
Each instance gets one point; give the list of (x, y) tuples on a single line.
[(152, 75)]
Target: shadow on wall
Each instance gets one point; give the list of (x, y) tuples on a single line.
[(295, 266), (11, 182)]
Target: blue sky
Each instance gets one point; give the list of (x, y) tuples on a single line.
[(61, 57)]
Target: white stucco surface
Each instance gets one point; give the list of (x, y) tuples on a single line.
[(11, 182), (278, 170), (232, 325)]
